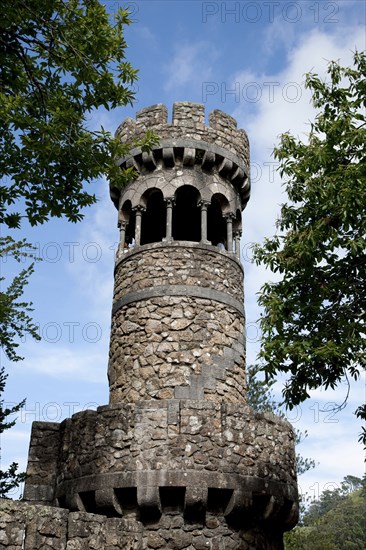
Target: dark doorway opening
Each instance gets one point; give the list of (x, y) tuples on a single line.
[(187, 215), (154, 218), (216, 223)]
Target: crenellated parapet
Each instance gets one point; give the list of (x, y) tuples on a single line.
[(188, 120)]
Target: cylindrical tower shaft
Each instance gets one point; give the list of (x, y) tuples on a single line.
[(178, 317)]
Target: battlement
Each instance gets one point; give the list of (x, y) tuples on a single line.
[(185, 113), (188, 120), (188, 143)]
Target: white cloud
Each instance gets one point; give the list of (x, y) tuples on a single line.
[(92, 270), (190, 64), (146, 35), (69, 362), (282, 105)]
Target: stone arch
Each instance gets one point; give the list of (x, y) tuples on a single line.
[(153, 219), (136, 190), (216, 223), (132, 194), (186, 214), (218, 186)]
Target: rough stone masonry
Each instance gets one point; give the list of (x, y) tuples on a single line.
[(177, 459)]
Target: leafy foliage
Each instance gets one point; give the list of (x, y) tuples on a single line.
[(15, 320), (60, 60), (336, 521), (10, 478), (313, 324)]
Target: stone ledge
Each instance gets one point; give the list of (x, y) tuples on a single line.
[(178, 244), (239, 496), (179, 290)]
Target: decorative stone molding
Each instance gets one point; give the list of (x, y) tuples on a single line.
[(209, 157), (179, 290)]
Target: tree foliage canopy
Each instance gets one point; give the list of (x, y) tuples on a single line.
[(10, 478), (334, 521), (60, 60), (313, 323)]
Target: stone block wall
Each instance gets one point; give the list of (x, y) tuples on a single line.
[(183, 350), (36, 527), (178, 263)]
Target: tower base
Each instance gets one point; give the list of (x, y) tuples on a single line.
[(180, 474)]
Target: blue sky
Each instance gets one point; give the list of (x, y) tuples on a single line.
[(245, 58)]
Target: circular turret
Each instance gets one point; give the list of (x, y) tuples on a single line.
[(178, 316)]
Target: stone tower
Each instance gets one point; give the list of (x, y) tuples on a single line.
[(177, 459)]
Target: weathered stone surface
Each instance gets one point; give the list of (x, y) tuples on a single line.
[(204, 339), (175, 264), (222, 129), (226, 445), (35, 527)]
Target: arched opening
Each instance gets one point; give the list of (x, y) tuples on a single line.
[(129, 218), (154, 217), (187, 215), (216, 223)]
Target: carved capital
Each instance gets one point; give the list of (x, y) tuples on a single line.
[(139, 208), (169, 201), (204, 204)]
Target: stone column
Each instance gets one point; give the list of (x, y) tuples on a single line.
[(204, 205), (122, 238), (169, 218), (139, 210), (237, 244), (229, 231)]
